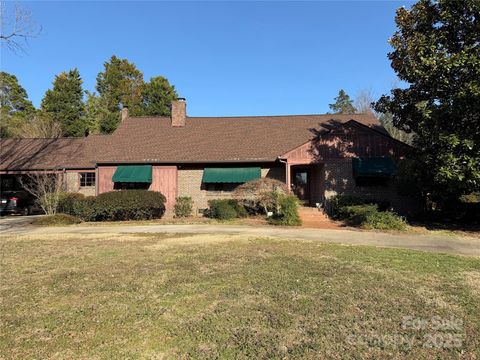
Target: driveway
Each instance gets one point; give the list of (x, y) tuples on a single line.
[(461, 245), (15, 222)]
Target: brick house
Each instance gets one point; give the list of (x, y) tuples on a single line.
[(317, 156)]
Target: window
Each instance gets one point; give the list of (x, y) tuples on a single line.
[(131, 186), (372, 181), (219, 187), (87, 179)]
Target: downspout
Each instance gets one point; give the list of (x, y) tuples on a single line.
[(64, 179), (97, 171), (287, 180)]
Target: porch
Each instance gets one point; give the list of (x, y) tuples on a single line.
[(307, 182)]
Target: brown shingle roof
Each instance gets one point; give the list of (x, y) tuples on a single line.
[(204, 139), (44, 153), (153, 139)]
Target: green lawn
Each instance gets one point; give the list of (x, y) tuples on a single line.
[(218, 296)]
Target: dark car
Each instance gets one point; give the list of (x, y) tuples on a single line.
[(16, 202)]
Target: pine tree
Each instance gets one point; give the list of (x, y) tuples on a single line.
[(343, 104), (64, 103), (120, 84), (15, 108), (93, 113), (158, 95)]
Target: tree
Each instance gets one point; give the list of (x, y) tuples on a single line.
[(343, 104), (260, 195), (363, 101), (41, 126), (120, 84), (64, 103), (93, 113), (387, 122), (158, 95), (15, 107), (436, 52), (16, 27), (46, 187)]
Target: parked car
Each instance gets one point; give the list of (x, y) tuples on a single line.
[(16, 202)]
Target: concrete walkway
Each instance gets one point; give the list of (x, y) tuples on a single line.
[(432, 243)]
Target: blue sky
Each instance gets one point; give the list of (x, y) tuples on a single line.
[(226, 58)]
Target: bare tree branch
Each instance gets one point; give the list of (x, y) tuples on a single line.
[(46, 187), (16, 27), (364, 100), (41, 126)]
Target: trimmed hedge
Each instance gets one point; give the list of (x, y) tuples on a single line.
[(183, 206), (129, 205), (225, 209), (288, 212), (85, 208), (117, 206), (66, 202)]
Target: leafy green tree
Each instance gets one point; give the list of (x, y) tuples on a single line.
[(15, 108), (64, 103), (436, 52), (343, 104), (120, 84), (158, 95)]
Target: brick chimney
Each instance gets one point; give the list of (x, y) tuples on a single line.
[(179, 112), (124, 113)]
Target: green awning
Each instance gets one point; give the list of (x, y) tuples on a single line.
[(230, 175), (133, 173), (373, 167)]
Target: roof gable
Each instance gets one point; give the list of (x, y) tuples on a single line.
[(343, 140)]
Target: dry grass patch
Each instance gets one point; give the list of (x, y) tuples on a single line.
[(162, 296)]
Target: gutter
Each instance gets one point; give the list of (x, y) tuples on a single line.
[(154, 161)]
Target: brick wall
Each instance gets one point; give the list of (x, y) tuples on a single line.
[(190, 184), (72, 181), (339, 180), (72, 184)]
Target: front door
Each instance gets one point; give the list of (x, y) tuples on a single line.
[(301, 184)]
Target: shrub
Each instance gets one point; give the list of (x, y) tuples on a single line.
[(260, 195), (66, 201), (288, 212), (57, 219), (385, 220), (84, 208), (239, 208), (225, 209), (338, 202), (471, 198), (367, 216), (183, 206), (336, 205), (129, 205), (356, 215)]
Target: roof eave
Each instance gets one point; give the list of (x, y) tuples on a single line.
[(156, 161)]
